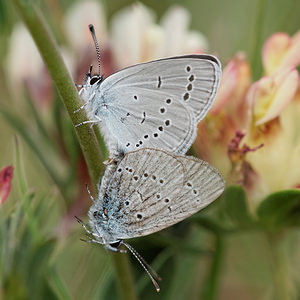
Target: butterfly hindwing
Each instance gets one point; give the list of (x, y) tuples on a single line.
[(192, 79)]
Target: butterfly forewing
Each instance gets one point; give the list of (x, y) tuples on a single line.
[(192, 79), (153, 189), (159, 103)]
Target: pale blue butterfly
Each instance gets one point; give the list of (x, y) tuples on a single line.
[(153, 104), (146, 191)]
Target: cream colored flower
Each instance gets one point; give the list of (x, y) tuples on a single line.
[(76, 22), (278, 161), (23, 58), (25, 68), (136, 37)]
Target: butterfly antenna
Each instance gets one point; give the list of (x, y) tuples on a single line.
[(88, 190), (92, 30), (145, 266)]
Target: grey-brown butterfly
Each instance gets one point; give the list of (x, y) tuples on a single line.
[(146, 191), (153, 104)]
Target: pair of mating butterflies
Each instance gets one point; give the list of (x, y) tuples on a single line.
[(148, 114)]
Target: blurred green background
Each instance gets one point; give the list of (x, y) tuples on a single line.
[(41, 254)]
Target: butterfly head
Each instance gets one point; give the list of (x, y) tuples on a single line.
[(89, 91), (92, 80)]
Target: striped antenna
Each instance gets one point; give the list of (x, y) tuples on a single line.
[(92, 30)]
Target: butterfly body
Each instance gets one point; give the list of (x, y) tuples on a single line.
[(154, 104)]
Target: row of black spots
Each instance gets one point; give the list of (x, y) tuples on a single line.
[(158, 197), (129, 169), (160, 181), (155, 134), (139, 143)]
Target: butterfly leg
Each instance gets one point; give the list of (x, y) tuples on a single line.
[(84, 226), (89, 122), (80, 108)]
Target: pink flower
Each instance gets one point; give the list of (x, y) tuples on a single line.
[(281, 51), (228, 114), (235, 82), (270, 95), (6, 175)]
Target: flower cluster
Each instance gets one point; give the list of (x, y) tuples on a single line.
[(267, 112)]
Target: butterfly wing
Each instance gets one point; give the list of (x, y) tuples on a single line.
[(153, 189), (159, 103)]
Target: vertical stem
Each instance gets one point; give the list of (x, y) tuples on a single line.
[(69, 95), (122, 268), (257, 37), (277, 244), (213, 279)]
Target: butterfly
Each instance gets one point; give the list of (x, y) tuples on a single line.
[(146, 191), (153, 104)]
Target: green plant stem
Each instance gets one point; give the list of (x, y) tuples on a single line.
[(257, 37), (122, 269), (277, 246), (88, 142), (212, 282), (65, 86)]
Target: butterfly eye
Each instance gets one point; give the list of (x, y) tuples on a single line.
[(94, 79)]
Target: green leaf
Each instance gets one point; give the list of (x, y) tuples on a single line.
[(281, 209), (234, 206)]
